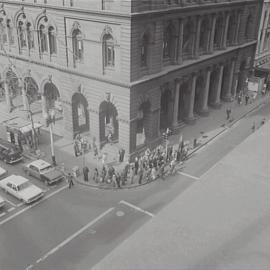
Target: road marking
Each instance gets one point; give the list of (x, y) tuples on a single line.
[(29, 267), (11, 209), (137, 208), (70, 238), (2, 214), (32, 205), (11, 203), (189, 175), (19, 204)]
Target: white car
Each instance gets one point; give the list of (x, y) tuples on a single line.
[(2, 202), (3, 173), (21, 188)]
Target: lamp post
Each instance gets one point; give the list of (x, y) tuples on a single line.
[(50, 119)]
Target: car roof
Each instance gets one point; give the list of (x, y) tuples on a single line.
[(16, 179), (39, 163)]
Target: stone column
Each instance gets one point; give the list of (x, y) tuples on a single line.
[(204, 108), (224, 42), (197, 38), (180, 42), (7, 95), (216, 101), (190, 116), (25, 99), (228, 94), (176, 103), (264, 27), (212, 35), (237, 29)]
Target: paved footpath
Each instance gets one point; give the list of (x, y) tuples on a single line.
[(204, 130)]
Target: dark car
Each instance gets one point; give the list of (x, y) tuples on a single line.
[(43, 171), (9, 152)]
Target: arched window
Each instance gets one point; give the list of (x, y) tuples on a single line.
[(108, 48), (30, 36), (21, 34), (77, 43), (43, 39), (248, 27), (144, 50), (167, 42), (203, 43), (10, 32), (52, 40), (3, 35), (188, 37), (218, 32)]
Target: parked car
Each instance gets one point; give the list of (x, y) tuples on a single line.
[(3, 173), (44, 171), (21, 188), (2, 202), (9, 152)]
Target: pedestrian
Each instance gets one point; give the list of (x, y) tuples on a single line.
[(85, 173), (263, 121), (253, 127), (132, 175), (118, 177), (228, 112), (70, 180), (140, 174), (96, 175), (136, 165), (114, 180), (239, 99), (246, 98)]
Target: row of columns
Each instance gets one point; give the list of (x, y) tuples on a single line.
[(210, 39), (205, 94)]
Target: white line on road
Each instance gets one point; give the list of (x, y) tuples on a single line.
[(11, 209), (29, 267), (189, 175), (11, 203), (70, 238), (137, 208), (2, 214), (32, 205)]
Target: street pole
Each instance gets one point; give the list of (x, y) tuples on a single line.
[(52, 145)]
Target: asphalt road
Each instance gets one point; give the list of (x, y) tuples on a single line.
[(74, 229)]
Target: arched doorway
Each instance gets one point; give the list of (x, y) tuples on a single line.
[(52, 97), (143, 118), (80, 114), (31, 89), (165, 109), (108, 122), (14, 88), (198, 94)]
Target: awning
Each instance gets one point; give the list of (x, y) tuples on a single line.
[(21, 125)]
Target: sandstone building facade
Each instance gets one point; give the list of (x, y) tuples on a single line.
[(129, 68)]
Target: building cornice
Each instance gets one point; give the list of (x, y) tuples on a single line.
[(188, 64), (191, 8), (102, 13), (68, 71)]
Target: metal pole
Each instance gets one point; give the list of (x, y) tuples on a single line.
[(52, 145)]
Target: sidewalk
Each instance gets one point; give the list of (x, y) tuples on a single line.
[(204, 130)]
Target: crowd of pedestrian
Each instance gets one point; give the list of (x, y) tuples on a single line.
[(145, 168)]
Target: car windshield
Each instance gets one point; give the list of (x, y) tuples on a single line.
[(23, 186), (49, 167)]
